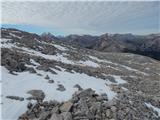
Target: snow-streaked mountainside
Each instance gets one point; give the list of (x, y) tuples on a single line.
[(34, 68)]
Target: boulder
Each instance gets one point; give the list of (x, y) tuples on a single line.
[(56, 117), (66, 107)]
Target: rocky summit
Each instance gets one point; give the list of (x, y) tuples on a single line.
[(44, 78)]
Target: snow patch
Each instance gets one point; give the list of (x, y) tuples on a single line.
[(60, 47), (154, 108), (88, 63), (18, 85), (118, 79)]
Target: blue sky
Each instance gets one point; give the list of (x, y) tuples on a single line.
[(33, 29), (63, 18)]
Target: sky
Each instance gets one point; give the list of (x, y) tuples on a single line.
[(79, 17)]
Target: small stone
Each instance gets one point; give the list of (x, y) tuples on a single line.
[(47, 77), (104, 96), (29, 105), (32, 70), (15, 98), (113, 108), (61, 88), (50, 81), (108, 113), (39, 74), (99, 98)]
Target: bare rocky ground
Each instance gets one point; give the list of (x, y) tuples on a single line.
[(140, 89)]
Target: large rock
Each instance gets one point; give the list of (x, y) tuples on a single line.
[(56, 117), (66, 107)]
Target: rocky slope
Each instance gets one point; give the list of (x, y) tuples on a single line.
[(50, 80)]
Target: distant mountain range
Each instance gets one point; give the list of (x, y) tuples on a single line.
[(148, 45)]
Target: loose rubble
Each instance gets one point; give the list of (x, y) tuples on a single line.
[(87, 105)]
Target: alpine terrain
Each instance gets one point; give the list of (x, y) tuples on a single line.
[(44, 78)]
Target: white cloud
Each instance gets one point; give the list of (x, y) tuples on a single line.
[(84, 17)]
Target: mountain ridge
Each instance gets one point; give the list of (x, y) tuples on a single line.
[(147, 45)]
